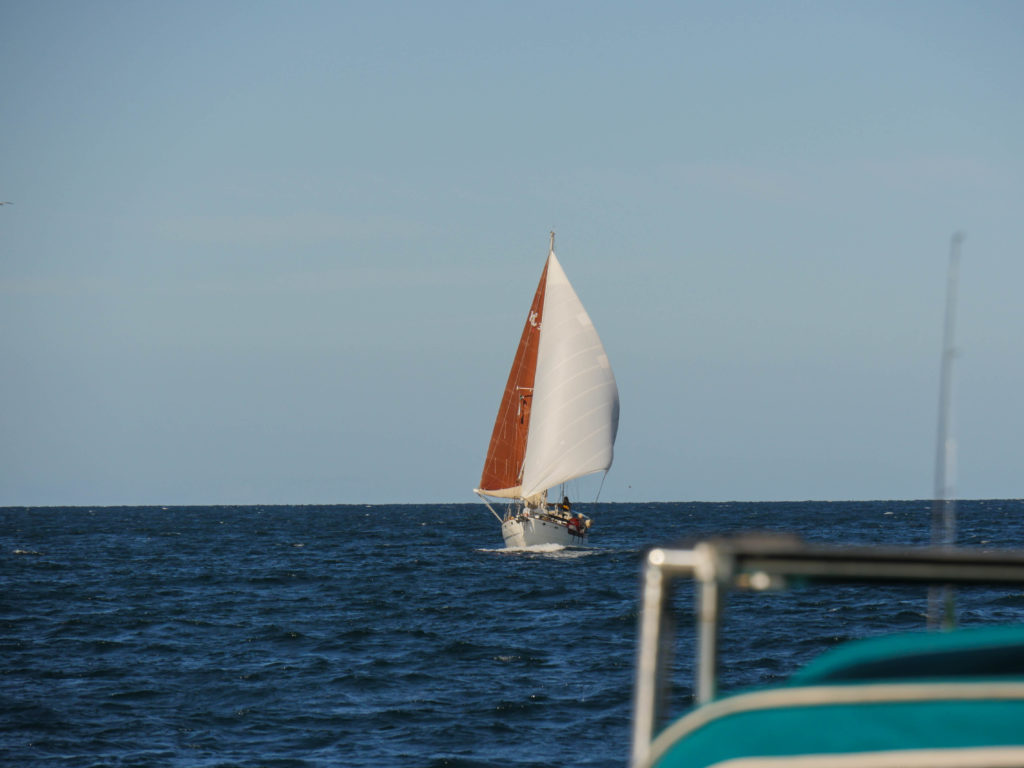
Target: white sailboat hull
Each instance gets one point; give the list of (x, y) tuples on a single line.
[(532, 532)]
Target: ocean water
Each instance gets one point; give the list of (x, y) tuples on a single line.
[(392, 635)]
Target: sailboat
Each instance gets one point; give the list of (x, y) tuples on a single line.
[(557, 419)]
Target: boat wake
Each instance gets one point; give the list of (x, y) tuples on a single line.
[(538, 548), (535, 549), (554, 551)]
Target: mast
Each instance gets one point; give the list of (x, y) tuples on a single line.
[(943, 533)]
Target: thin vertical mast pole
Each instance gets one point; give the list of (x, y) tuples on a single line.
[(944, 502)]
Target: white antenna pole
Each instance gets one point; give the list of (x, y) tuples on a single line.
[(944, 501)]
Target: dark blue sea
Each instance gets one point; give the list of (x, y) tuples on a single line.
[(392, 635)]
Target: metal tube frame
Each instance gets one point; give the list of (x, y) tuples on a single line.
[(758, 563)]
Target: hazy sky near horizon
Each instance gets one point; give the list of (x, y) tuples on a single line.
[(282, 252)]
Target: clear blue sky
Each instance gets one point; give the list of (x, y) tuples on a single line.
[(282, 252)]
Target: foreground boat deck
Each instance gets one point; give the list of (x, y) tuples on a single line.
[(939, 699)]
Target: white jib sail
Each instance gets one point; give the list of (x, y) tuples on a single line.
[(575, 409)]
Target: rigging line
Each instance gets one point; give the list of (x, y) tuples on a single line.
[(601, 486)]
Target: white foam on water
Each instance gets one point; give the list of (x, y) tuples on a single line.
[(553, 551), (535, 549)]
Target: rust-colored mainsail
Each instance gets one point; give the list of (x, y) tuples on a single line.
[(503, 467)]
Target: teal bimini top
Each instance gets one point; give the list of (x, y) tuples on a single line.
[(901, 701), (990, 653)]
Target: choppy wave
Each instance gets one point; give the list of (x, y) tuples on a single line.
[(309, 636)]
